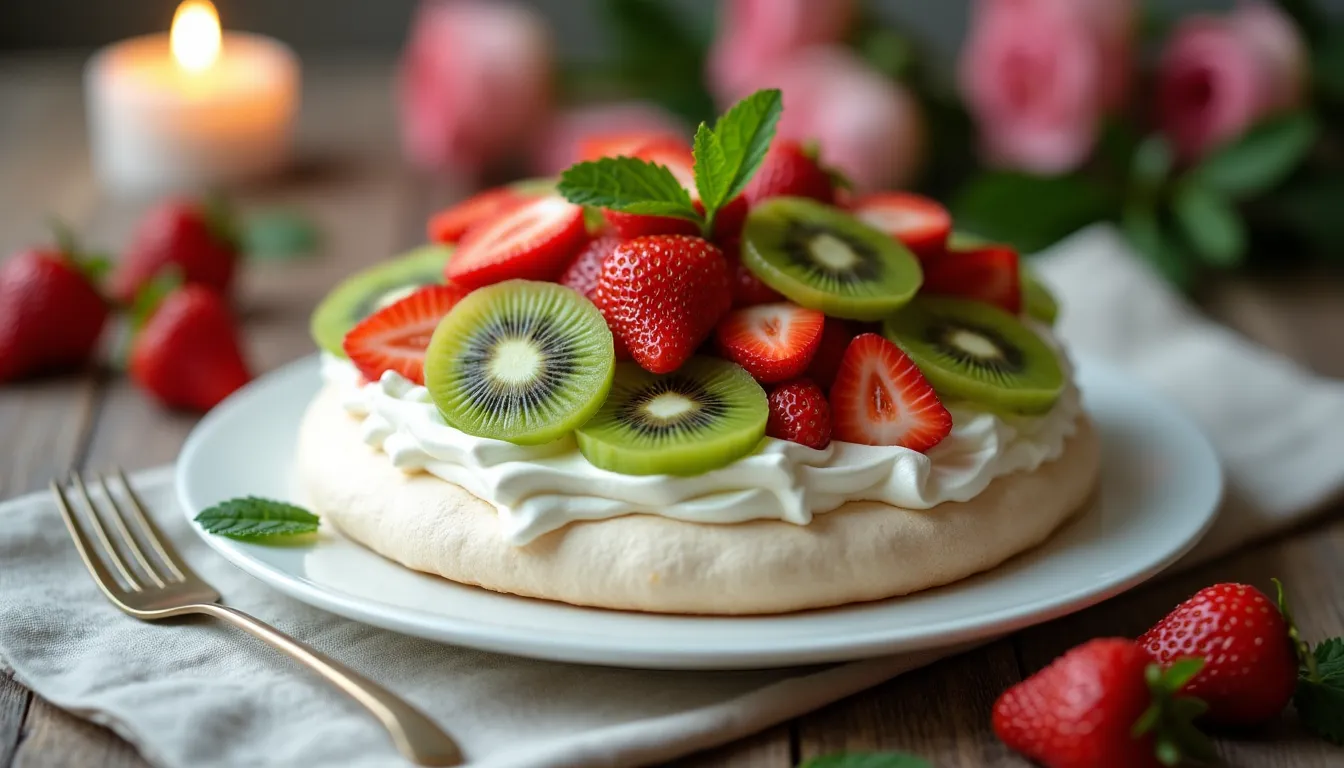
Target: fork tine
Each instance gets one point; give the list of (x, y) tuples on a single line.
[(91, 512), (119, 523), (160, 543), (106, 581)]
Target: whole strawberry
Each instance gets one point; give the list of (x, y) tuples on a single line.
[(789, 169), (662, 295), (1097, 707), (196, 238), (187, 354), (1250, 665), (799, 413), (51, 314)]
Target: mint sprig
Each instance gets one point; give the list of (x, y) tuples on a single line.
[(726, 157), (1319, 696), (628, 185), (252, 518)]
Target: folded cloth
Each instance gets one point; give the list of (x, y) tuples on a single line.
[(201, 694)]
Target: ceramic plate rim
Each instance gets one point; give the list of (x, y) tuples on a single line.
[(597, 648)]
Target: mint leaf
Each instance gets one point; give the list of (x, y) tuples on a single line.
[(251, 517), (1210, 223), (628, 185), (1320, 692), (1261, 158), (712, 174), (867, 760), (744, 132)]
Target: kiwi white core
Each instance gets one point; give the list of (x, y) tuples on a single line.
[(515, 361), (975, 344), (833, 253), (669, 406)]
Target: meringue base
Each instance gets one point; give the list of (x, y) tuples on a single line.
[(861, 551)]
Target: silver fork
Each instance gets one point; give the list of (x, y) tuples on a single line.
[(158, 585)]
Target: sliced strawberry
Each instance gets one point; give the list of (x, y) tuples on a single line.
[(395, 337), (835, 338), (989, 274), (922, 224), (773, 342), (449, 225), (880, 398), (533, 241), (620, 143), (799, 413), (788, 169), (582, 272)]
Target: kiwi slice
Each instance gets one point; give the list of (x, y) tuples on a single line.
[(1038, 302), (977, 352), (706, 414), (521, 361), (364, 293), (823, 258)]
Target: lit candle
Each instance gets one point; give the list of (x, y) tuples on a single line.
[(192, 109)]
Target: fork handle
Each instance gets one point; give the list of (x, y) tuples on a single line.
[(416, 736)]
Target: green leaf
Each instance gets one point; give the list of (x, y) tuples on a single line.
[(1261, 158), (279, 235), (629, 185), (744, 132), (1030, 212), (1152, 162), (1152, 240), (1211, 224), (659, 53), (251, 517), (222, 220), (1320, 692), (712, 174), (1181, 672), (867, 760), (1300, 647)]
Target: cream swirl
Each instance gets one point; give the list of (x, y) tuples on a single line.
[(541, 488)]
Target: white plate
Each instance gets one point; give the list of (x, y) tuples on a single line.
[(1160, 489)]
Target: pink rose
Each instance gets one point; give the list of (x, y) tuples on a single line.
[(754, 34), (564, 139), (474, 83), (866, 125), (1220, 74), (1039, 75)]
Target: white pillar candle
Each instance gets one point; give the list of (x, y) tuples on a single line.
[(191, 110)]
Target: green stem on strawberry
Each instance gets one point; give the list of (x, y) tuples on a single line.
[(1171, 716)]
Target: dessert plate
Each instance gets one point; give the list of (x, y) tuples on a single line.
[(1159, 492)]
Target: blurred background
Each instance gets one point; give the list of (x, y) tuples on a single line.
[(1208, 131)]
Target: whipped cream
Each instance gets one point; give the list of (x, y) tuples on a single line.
[(541, 488)]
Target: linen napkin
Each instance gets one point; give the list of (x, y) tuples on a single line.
[(202, 694)]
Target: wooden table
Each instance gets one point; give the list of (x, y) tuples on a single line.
[(369, 207)]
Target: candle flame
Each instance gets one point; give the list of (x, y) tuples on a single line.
[(195, 36)]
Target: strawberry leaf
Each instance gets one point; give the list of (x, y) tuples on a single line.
[(1320, 691), (867, 760), (1170, 718), (629, 185), (251, 517), (744, 132)]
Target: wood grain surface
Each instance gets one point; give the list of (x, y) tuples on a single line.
[(351, 181)]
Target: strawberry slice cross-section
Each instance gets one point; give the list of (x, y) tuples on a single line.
[(881, 398), (531, 241), (990, 274), (395, 337), (451, 224), (773, 342), (922, 224)]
